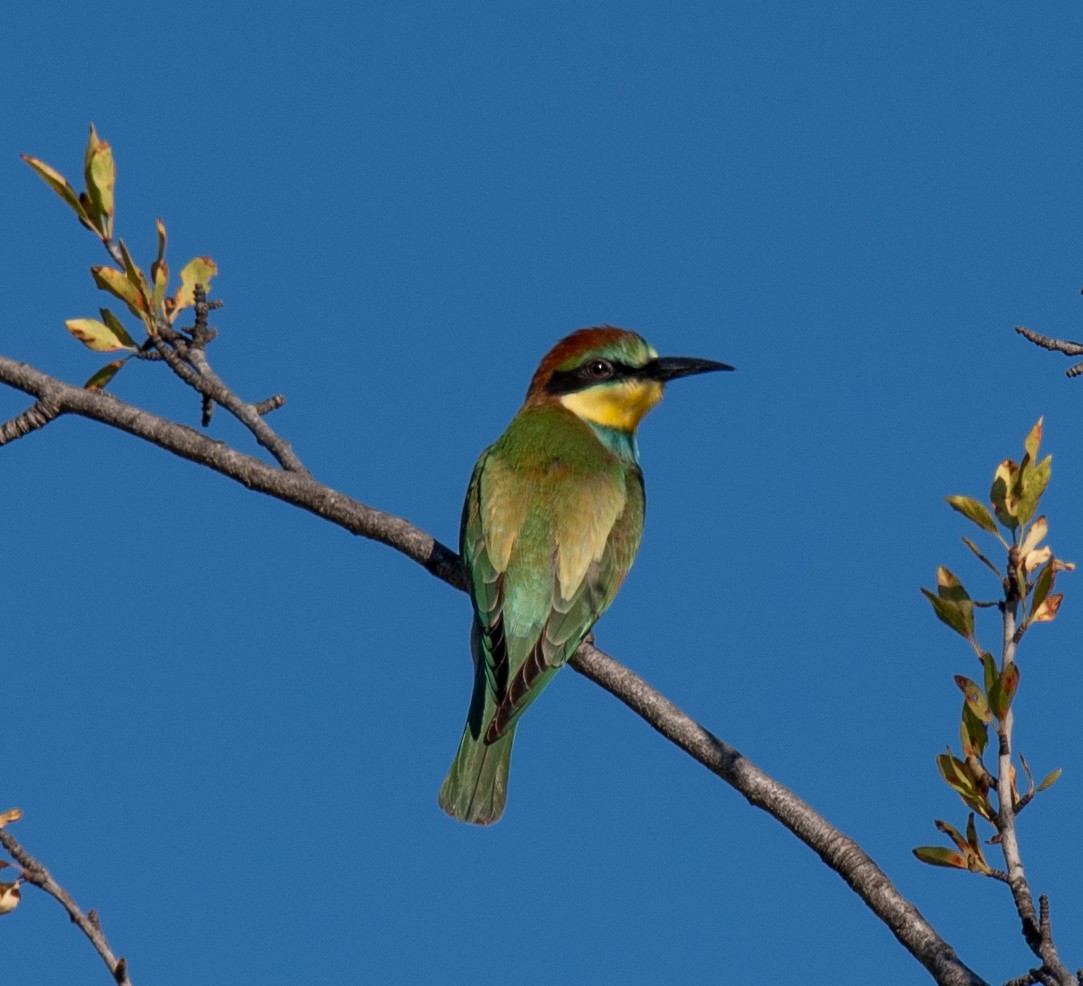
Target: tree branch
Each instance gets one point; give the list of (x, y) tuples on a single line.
[(838, 851), (1056, 345), (34, 872)]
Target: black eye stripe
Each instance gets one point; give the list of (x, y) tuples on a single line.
[(595, 370)]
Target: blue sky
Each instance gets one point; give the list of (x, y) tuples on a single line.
[(227, 721)]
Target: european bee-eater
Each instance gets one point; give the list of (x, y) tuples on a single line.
[(552, 520)]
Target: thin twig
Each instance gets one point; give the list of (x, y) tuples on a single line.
[(1056, 345), (34, 872), (189, 362)]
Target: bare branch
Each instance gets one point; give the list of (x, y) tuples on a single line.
[(292, 487), (34, 872), (837, 850), (1056, 345), (38, 415), (189, 362)]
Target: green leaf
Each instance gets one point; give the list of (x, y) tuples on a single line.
[(975, 698), (952, 833), (199, 270), (59, 184), (975, 855), (951, 603), (1033, 481), (134, 273), (948, 613), (117, 283), (159, 272), (1004, 495), (1033, 440), (973, 733), (1001, 697), (96, 335), (1042, 587), (973, 510), (940, 856), (101, 379), (949, 587), (1050, 779), (101, 178), (118, 328), (958, 776), (955, 773)]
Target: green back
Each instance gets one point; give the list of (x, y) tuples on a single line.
[(551, 524)]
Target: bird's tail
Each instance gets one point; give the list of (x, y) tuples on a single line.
[(476, 787)]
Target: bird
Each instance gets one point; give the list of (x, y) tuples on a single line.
[(551, 524)]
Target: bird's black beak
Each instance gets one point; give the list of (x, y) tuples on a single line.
[(665, 368)]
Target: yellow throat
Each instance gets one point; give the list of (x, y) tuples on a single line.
[(621, 404)]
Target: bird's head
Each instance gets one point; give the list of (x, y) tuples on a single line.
[(609, 377)]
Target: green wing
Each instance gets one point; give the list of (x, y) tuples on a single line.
[(549, 530), (574, 546)]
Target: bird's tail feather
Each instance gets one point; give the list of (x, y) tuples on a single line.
[(476, 787)]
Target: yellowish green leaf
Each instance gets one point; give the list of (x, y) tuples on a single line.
[(159, 271), (101, 178), (117, 283), (1050, 779), (1042, 587), (1000, 699), (952, 604), (200, 270), (96, 335), (135, 275), (117, 326), (973, 733), (959, 777), (59, 184), (941, 856), (1034, 440), (975, 698), (102, 378), (160, 227), (948, 613), (952, 833), (973, 510), (975, 854), (1032, 483), (1004, 495), (949, 587)]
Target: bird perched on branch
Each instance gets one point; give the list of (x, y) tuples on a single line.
[(552, 520)]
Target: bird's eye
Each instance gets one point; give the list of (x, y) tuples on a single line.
[(599, 369)]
